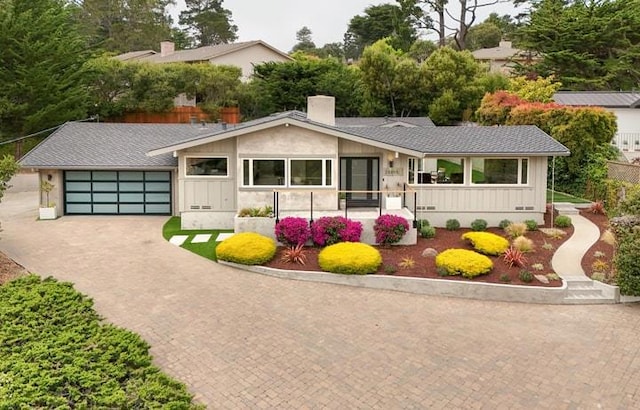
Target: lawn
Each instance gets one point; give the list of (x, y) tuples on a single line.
[(56, 352), (562, 197), (205, 249)]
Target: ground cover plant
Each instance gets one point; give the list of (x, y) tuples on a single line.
[(206, 249), (56, 353)]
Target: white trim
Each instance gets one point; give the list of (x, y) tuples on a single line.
[(185, 165), (324, 175), (251, 184)]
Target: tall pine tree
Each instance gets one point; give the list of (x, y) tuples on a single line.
[(209, 22)]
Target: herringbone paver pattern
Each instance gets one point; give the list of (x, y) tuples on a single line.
[(242, 340)]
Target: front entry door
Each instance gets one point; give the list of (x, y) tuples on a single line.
[(360, 174)]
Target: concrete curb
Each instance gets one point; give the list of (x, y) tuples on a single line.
[(423, 286)]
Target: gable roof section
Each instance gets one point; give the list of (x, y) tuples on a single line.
[(609, 99), (135, 55), (384, 122), (208, 52), (415, 141), (81, 145)]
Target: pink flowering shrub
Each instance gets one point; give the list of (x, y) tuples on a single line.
[(390, 229), (293, 231), (329, 230)]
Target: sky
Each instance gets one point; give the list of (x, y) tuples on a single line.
[(277, 21)]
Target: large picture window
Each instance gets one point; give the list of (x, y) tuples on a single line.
[(207, 166), (436, 170), (264, 172), (500, 170), (313, 172)]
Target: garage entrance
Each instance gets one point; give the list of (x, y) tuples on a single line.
[(117, 192)]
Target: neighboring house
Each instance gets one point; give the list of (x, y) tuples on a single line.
[(503, 58), (205, 174), (624, 104), (244, 55)]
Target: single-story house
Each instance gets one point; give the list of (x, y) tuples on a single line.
[(207, 173), (244, 54), (624, 104)]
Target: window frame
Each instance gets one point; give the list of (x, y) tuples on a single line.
[(251, 184), (518, 172), (421, 168), (323, 180), (186, 165)]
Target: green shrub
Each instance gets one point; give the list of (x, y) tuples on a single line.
[(56, 353), (247, 248), (505, 278), (463, 262), (525, 276), (627, 264), (428, 232), (257, 212), (351, 258), (532, 225), (422, 223), (452, 225), (504, 223), (487, 242), (562, 221), (479, 225)]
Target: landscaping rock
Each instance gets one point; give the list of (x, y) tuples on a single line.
[(542, 278), (429, 253)]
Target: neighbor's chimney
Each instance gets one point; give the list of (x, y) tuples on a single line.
[(167, 48), (505, 44), (322, 108)]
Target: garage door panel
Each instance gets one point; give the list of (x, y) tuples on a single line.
[(117, 192)]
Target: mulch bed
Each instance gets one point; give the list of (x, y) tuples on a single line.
[(425, 267), (602, 221), (9, 270)]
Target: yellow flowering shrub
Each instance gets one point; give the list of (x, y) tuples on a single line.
[(351, 258), (463, 262), (487, 242), (247, 248)]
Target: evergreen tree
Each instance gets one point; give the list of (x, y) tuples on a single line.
[(209, 22), (41, 56)]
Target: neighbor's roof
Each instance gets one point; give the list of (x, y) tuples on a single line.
[(134, 55), (503, 52), (205, 53), (610, 99), (83, 145), (384, 122), (474, 140)]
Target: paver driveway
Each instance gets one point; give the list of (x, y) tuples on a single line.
[(241, 340)]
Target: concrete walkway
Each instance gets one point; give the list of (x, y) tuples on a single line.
[(241, 340), (567, 260)]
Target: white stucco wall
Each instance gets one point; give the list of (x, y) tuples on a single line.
[(286, 143), (248, 57)]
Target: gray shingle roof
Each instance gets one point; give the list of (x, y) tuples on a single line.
[(383, 121), (610, 99), (134, 55), (203, 53), (505, 140), (107, 145)]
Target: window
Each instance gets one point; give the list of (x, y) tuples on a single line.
[(499, 170), (436, 170), (313, 172), (263, 172), (207, 166)]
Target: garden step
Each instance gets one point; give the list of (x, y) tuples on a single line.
[(567, 210), (585, 291), (585, 300), (579, 282)]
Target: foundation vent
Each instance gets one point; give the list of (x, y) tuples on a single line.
[(194, 207), (206, 206)]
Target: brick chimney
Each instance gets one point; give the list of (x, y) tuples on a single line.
[(166, 48), (322, 109)]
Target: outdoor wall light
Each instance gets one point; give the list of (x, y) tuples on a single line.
[(49, 177)]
